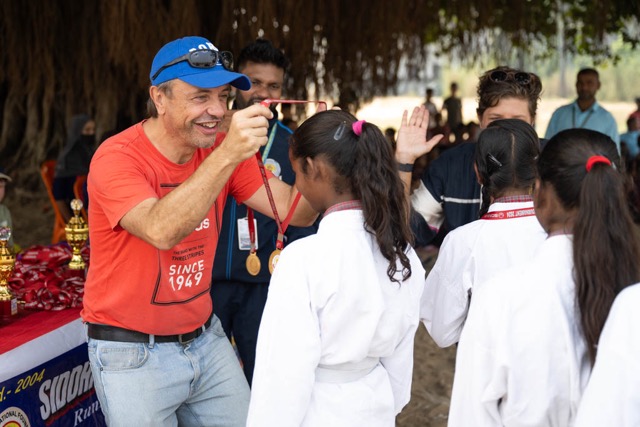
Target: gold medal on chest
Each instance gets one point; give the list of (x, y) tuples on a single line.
[(253, 264), (273, 260)]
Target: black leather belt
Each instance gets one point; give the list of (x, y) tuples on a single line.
[(114, 333)]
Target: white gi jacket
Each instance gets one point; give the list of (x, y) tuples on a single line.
[(470, 255), (331, 303), (522, 360), (612, 397)]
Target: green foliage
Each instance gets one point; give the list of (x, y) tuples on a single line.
[(470, 29)]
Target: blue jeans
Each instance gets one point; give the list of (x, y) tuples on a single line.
[(168, 384)]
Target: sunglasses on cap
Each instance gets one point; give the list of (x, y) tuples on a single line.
[(202, 58), (519, 77)]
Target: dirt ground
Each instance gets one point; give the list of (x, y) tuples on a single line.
[(432, 380), (433, 367)]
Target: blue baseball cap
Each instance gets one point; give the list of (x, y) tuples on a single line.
[(206, 78)]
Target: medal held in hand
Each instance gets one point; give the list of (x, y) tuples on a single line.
[(253, 262)]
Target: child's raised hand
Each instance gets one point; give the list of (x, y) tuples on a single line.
[(412, 136)]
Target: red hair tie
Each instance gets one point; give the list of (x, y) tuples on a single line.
[(357, 127), (596, 159)]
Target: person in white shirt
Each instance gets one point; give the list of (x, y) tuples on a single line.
[(612, 396), (506, 234), (529, 342), (335, 346)]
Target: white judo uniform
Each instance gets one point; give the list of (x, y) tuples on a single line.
[(335, 346), (612, 397), (470, 255), (522, 360)]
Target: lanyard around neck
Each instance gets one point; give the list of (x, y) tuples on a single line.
[(586, 119), (272, 136)]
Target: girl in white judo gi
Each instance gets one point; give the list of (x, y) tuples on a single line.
[(506, 234), (335, 346), (612, 396), (531, 335)]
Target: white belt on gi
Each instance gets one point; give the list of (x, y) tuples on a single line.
[(346, 372)]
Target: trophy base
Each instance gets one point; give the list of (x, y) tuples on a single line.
[(72, 272), (8, 309)]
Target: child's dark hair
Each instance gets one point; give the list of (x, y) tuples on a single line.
[(605, 248), (506, 154), (365, 165)]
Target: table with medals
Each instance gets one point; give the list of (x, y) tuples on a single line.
[(45, 377)]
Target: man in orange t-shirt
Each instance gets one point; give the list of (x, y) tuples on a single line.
[(157, 192)]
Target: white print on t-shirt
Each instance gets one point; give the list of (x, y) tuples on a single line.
[(203, 225), (185, 275)]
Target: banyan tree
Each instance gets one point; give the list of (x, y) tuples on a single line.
[(63, 57)]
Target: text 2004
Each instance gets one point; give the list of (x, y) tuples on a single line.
[(32, 379)]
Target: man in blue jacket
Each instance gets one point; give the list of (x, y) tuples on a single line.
[(238, 295)]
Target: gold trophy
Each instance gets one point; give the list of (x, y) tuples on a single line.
[(8, 302), (77, 234)]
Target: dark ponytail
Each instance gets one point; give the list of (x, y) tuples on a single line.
[(605, 248), (506, 154), (366, 167)]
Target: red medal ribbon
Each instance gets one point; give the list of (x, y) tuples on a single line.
[(252, 229), (267, 102), (287, 220), (282, 226), (267, 187), (42, 280), (510, 214)]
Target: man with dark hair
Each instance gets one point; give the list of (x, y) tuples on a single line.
[(449, 194), (585, 112), (239, 295)]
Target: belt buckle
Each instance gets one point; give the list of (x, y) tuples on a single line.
[(195, 334), (187, 341)]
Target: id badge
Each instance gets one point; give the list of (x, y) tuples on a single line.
[(244, 238)]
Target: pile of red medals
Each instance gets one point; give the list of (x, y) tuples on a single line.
[(42, 279)]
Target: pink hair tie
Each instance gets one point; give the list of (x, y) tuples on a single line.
[(357, 127), (597, 159)]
